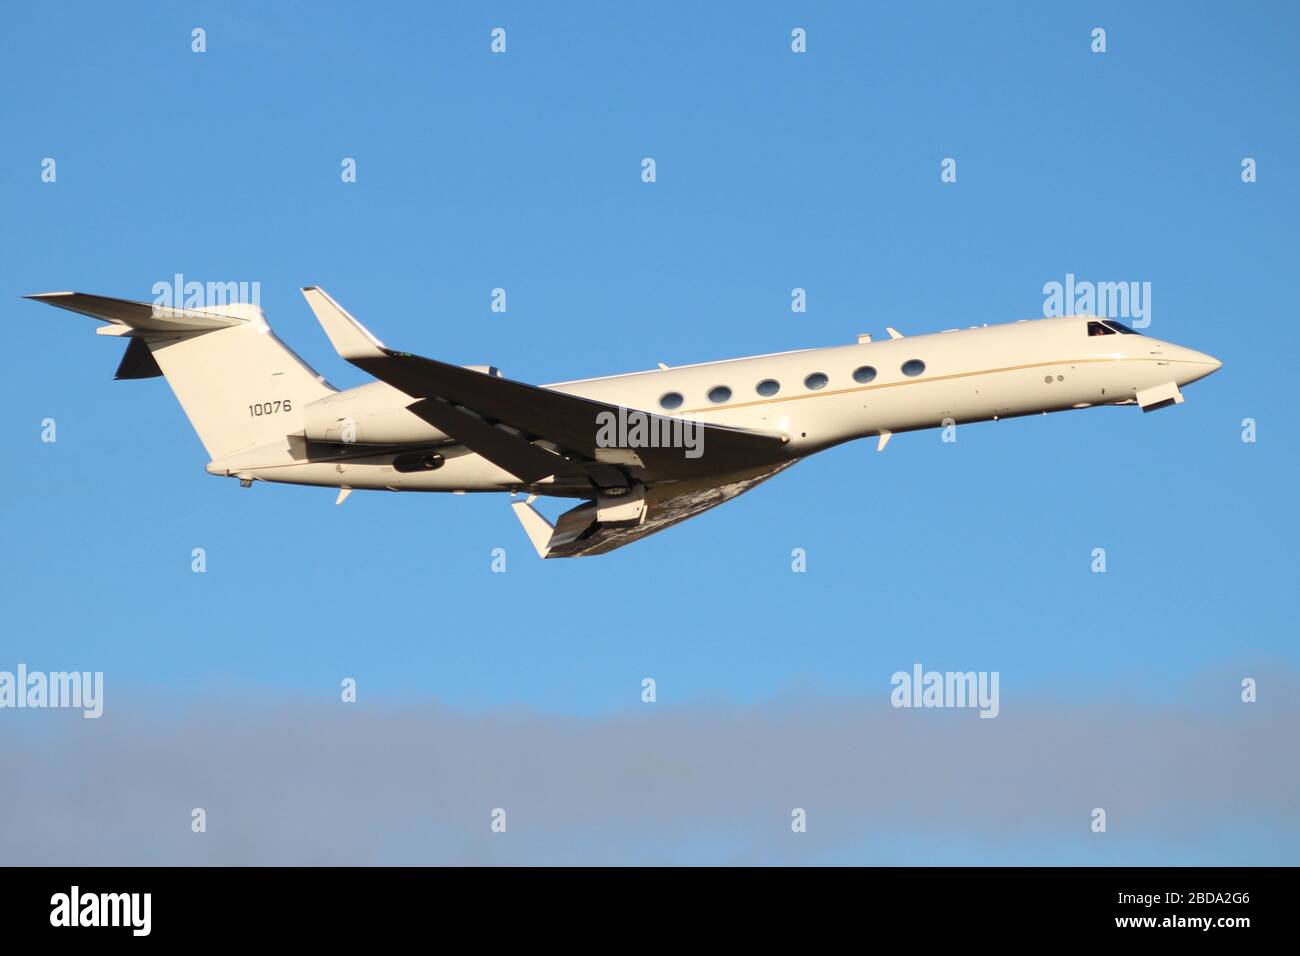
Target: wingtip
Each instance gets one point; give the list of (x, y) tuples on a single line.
[(538, 530), (349, 337)]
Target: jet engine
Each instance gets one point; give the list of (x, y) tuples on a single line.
[(371, 414)]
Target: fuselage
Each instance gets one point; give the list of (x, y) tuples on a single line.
[(816, 397)]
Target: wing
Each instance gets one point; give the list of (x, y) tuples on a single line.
[(471, 407), (577, 533)]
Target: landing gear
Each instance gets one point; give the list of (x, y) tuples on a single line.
[(621, 507)]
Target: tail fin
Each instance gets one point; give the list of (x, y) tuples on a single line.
[(240, 386)]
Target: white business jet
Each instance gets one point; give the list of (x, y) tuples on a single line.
[(642, 451)]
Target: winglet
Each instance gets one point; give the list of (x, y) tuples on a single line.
[(538, 529), (893, 333), (350, 338)]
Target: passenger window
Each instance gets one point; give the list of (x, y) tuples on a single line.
[(913, 367), (864, 374), (719, 394), (815, 381), (670, 400), (768, 387), (1096, 328)]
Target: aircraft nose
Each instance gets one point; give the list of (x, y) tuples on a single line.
[(1197, 365)]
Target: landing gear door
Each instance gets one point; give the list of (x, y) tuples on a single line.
[(1161, 396)]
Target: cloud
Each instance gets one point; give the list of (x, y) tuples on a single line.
[(344, 784)]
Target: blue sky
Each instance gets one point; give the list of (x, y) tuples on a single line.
[(774, 170)]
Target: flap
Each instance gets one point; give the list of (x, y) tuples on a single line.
[(578, 533)]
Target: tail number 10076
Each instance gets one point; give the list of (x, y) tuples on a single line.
[(269, 408)]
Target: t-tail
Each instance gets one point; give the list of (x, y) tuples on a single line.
[(240, 386)]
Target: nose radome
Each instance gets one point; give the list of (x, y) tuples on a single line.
[(1196, 365)]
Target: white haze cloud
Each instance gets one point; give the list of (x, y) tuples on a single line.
[(344, 784)]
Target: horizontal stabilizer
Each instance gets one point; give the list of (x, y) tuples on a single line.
[(240, 386), (145, 317)]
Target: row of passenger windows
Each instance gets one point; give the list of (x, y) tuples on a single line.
[(770, 386)]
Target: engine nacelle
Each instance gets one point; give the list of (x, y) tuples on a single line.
[(370, 414), (373, 414)]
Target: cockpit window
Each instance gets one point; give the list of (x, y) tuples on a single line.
[(1121, 328), (1110, 327)]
